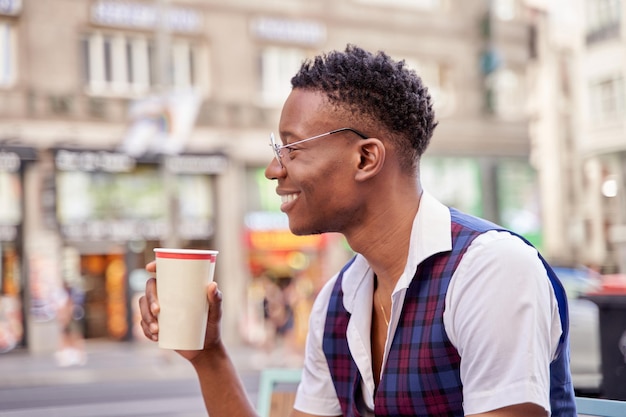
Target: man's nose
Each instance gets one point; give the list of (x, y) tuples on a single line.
[(274, 170)]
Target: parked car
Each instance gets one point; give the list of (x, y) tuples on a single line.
[(585, 361)]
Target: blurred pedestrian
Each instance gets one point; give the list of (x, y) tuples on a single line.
[(277, 309), (439, 313), (70, 311)]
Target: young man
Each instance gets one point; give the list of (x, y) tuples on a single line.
[(439, 313)]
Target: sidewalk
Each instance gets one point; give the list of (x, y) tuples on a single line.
[(124, 361)]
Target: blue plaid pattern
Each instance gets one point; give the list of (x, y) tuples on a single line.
[(421, 376)]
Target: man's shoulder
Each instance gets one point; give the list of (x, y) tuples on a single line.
[(474, 223)]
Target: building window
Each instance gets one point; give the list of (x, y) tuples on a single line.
[(505, 9), (508, 89), (187, 65), (505, 93), (8, 56), (118, 63), (278, 66), (608, 100), (603, 19), (436, 76)]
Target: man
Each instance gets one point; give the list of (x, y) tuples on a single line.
[(439, 313)]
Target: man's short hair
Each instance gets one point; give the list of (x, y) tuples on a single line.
[(378, 90)]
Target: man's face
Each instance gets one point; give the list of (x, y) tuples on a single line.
[(316, 182)]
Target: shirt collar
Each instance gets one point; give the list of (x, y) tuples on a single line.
[(430, 234)]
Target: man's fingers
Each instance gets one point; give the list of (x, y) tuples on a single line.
[(151, 267), (148, 320), (215, 302), (148, 332), (152, 297), (149, 309)]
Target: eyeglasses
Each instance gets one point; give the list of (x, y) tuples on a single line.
[(277, 148)]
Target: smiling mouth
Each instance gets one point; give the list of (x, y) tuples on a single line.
[(288, 198)]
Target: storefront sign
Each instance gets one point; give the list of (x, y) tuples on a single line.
[(10, 7), (267, 230), (129, 229), (145, 16), (283, 240), (196, 164), (89, 161), (304, 32), (115, 230)]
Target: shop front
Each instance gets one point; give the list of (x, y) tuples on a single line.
[(112, 210), (286, 271), (12, 292)]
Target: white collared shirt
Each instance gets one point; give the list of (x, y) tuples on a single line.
[(500, 313)]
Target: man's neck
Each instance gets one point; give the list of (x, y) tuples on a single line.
[(385, 241)]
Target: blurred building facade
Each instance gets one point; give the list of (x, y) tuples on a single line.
[(578, 128), (602, 142), (121, 119)]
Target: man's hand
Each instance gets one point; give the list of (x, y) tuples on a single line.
[(149, 308)]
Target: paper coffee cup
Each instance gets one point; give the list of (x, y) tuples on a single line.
[(182, 276)]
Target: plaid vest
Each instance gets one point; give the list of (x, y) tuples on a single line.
[(422, 373)]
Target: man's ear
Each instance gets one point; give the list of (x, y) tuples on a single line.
[(372, 158)]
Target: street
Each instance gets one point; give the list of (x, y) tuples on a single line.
[(114, 399), (120, 379), (172, 398)]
